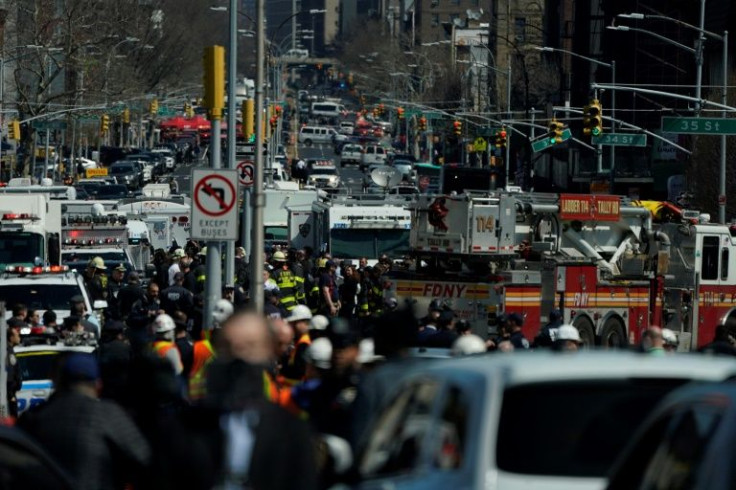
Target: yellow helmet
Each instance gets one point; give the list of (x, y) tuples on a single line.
[(321, 263)]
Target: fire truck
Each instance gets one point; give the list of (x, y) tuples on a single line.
[(30, 230), (602, 260)]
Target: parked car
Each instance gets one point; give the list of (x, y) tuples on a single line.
[(406, 168), (531, 420), (310, 135), (128, 173), (322, 174), (373, 155), (351, 153), (687, 442), (112, 192)]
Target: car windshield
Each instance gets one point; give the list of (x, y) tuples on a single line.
[(37, 365), (40, 296), (111, 191), (573, 428), (121, 169), (18, 247), (352, 244), (402, 162)]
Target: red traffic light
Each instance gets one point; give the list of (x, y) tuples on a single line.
[(503, 133)]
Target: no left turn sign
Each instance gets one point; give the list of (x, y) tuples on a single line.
[(214, 210), (245, 173)]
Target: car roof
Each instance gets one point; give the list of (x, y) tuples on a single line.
[(62, 279), (533, 367), (54, 347)]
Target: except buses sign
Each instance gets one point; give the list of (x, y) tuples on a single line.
[(589, 207)]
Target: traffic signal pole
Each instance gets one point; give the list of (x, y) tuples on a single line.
[(232, 64), (258, 247)]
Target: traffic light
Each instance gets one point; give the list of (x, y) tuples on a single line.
[(502, 135), (376, 112), (457, 128), (248, 114), (214, 80), (274, 121), (14, 130), (593, 119), (153, 107), (126, 116), (400, 112), (555, 131), (104, 123), (422, 123)]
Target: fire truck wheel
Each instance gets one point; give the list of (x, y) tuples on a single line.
[(587, 334), (613, 335)]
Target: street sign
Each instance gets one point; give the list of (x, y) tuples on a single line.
[(214, 213), (245, 173), (545, 142), (699, 125), (50, 125), (432, 115), (480, 144), (620, 139)]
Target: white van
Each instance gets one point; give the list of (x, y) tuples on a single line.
[(327, 109), (299, 54), (316, 134)]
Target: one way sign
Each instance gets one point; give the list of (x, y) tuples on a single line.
[(214, 205)]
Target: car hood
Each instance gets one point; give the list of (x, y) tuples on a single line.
[(513, 481)]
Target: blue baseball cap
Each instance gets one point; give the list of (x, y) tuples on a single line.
[(80, 367)]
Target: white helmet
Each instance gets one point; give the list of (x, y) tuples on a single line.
[(669, 337), (367, 352), (300, 312), (568, 332), (467, 345), (319, 353), (319, 322), (163, 323), (222, 311)]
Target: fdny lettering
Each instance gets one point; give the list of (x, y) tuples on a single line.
[(444, 290), (580, 300)]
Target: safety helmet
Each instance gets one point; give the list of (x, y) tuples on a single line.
[(319, 322), (222, 311), (670, 338), (367, 352), (279, 256), (203, 251), (300, 312), (97, 263), (467, 345), (321, 263), (179, 253), (319, 353), (568, 332), (163, 323)]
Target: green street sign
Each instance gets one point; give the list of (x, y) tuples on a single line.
[(546, 141), (432, 115), (620, 139), (50, 125), (699, 125)]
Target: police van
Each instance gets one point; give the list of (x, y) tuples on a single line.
[(327, 109)]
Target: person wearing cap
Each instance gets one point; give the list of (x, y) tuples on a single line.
[(95, 279), (89, 322), (286, 281), (329, 299), (272, 306), (566, 339), (177, 297), (114, 286), (129, 295), (203, 352), (671, 341), (93, 440), (174, 267), (516, 337), (294, 368), (544, 337), (14, 378), (115, 357), (163, 345), (348, 291)]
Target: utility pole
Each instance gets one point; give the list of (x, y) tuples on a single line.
[(258, 248), (232, 67)]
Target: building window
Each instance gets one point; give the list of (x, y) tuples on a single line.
[(520, 29), (435, 3), (435, 20)]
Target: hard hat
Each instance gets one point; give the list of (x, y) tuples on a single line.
[(300, 312), (467, 345), (321, 263), (568, 332), (669, 337), (367, 352), (97, 263), (163, 323), (279, 256), (222, 311), (319, 353), (319, 322), (179, 253), (435, 305), (98, 209), (203, 251)]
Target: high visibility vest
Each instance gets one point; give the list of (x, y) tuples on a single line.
[(203, 356), (279, 395), (303, 340), (286, 281), (161, 347)]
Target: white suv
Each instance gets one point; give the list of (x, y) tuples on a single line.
[(373, 155), (310, 135)]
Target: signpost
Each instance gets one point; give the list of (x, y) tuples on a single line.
[(545, 142), (480, 144), (246, 170), (620, 139), (214, 213), (699, 125)]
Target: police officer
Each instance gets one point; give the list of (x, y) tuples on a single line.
[(517, 338), (286, 281), (177, 297), (114, 285)]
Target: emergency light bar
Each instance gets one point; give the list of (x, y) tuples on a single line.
[(36, 270), (19, 216), (91, 241), (94, 220)]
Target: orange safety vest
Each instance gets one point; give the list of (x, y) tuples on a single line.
[(162, 347), (279, 394), (203, 356), (304, 339)]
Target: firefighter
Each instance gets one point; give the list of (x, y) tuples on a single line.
[(294, 369), (300, 273), (566, 339), (164, 346), (285, 280), (375, 292), (95, 279)]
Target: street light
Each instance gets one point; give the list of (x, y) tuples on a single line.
[(612, 66)]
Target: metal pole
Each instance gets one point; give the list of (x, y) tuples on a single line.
[(293, 24), (508, 133), (314, 34), (46, 153), (231, 125), (213, 285), (699, 59), (256, 277), (4, 408), (722, 169), (612, 149)]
